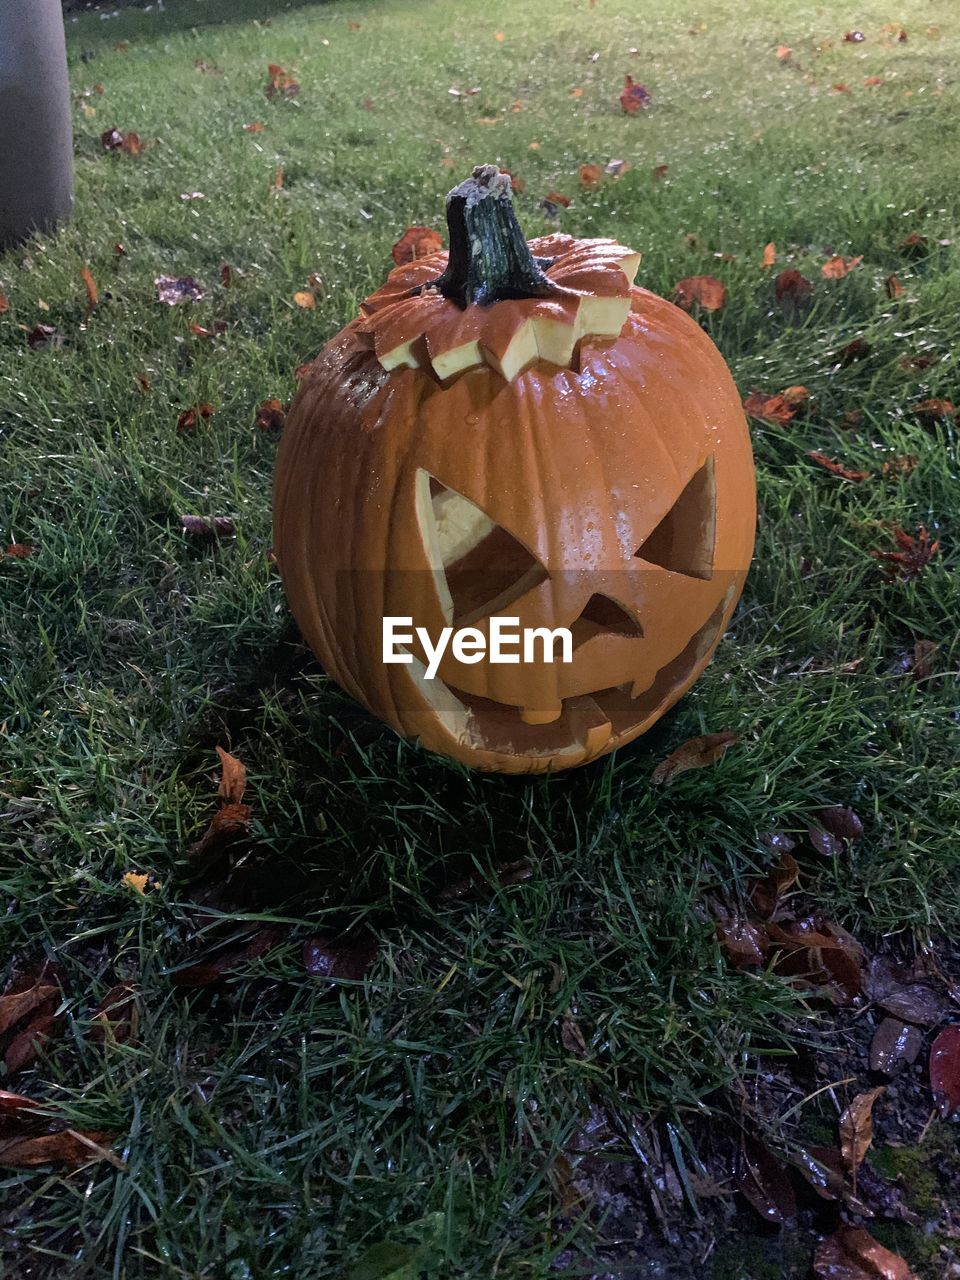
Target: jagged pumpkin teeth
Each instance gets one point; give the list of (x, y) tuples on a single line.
[(511, 436)]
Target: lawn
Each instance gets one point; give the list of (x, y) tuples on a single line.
[(512, 956)]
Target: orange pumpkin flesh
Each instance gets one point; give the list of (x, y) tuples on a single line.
[(578, 458)]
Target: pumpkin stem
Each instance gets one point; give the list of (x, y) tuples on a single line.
[(489, 259)]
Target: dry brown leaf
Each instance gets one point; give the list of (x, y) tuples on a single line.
[(90, 285), (18, 550), (837, 468), (856, 1127), (69, 1146), (914, 553), (207, 529), (696, 753), (633, 96), (350, 957), (793, 288), (705, 291), (660, 171), (895, 1045), (254, 126), (893, 287), (189, 418), (744, 941), (769, 408), (590, 175), (271, 415)]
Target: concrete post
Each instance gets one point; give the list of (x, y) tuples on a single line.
[(36, 138)]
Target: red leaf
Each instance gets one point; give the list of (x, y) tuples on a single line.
[(697, 753), (415, 243), (706, 291), (4, 304), (838, 469), (254, 127), (933, 411), (914, 554), (945, 1070), (590, 175), (189, 418), (913, 244), (280, 83), (557, 197), (633, 96), (792, 287), (18, 550)]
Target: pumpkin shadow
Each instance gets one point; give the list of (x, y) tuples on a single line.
[(352, 821)]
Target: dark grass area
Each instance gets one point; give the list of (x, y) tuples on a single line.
[(276, 1123)]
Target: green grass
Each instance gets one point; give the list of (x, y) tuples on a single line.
[(278, 1124)]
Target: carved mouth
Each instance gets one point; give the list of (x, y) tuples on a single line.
[(586, 722)]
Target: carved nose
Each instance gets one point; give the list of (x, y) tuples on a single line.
[(603, 616)]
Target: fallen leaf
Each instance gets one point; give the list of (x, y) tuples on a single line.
[(902, 995), (18, 550), (226, 275), (305, 299), (271, 415), (819, 952), (766, 893), (933, 411), (823, 1169), (925, 360), (768, 408), (233, 778), (26, 992), (895, 1045), (218, 963), (893, 287), (792, 287), (90, 285), (43, 336), (783, 52), (851, 1253), (706, 291), (190, 417), (837, 468), (590, 175), (557, 197), (762, 1179), (475, 886), (499, 37), (660, 171), (254, 127), (633, 96), (4, 304), (744, 942), (68, 1146), (280, 83), (914, 244), (278, 178), (136, 880), (945, 1071), (854, 37), (858, 349), (872, 81), (769, 255), (143, 383), (349, 957), (797, 397), (416, 243), (924, 658), (856, 1127), (119, 251), (207, 529), (840, 87), (206, 68), (571, 1037), (116, 1018), (696, 753), (837, 267), (176, 289), (915, 552)]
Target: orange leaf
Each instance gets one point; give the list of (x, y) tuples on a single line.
[(783, 52), (837, 267), (871, 81), (305, 299), (18, 550), (271, 415), (851, 1253), (768, 408), (233, 780), (697, 753), (590, 175), (91, 287), (416, 243), (557, 197), (837, 468), (136, 880), (769, 255), (796, 397), (254, 127), (707, 291), (893, 287)]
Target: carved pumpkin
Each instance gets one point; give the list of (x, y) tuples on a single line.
[(513, 430)]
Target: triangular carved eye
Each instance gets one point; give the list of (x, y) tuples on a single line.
[(683, 541), (478, 566)]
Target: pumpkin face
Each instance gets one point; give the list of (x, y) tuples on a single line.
[(576, 459)]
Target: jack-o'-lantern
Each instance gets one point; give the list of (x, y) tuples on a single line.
[(514, 431)]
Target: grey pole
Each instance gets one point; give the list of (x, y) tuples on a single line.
[(36, 138)]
